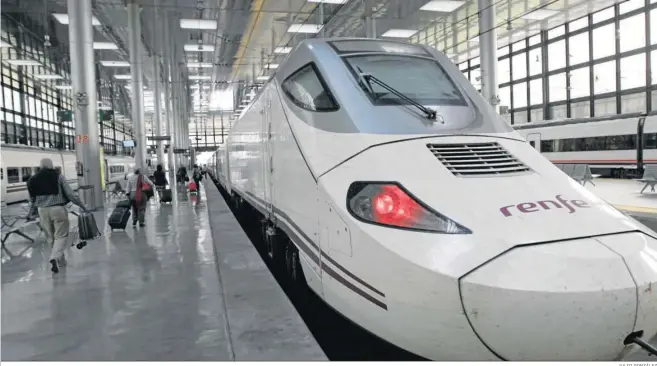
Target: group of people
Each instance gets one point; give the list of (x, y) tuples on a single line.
[(50, 193)]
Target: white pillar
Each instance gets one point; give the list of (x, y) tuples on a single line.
[(488, 52), (156, 88), (83, 77), (168, 92), (134, 30)]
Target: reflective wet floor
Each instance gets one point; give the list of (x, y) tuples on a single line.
[(149, 293)]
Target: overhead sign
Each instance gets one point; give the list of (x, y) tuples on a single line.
[(105, 115), (158, 138), (65, 116), (179, 151)]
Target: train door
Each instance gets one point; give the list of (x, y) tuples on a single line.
[(534, 140), (268, 156)]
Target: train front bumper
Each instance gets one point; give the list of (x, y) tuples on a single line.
[(573, 300)]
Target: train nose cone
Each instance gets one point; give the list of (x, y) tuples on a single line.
[(573, 300)]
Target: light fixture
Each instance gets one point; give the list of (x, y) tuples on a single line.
[(442, 6), (198, 24), (262, 78), (399, 33), (539, 14), (282, 49), (48, 77), (63, 19), (64, 87), (199, 48), (200, 77), (199, 64), (304, 28), (196, 86), (123, 77), (271, 66), (18, 62), (328, 1), (115, 63), (105, 46), (4, 44)]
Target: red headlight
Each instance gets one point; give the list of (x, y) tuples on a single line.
[(390, 205)]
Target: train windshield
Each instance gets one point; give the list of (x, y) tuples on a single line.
[(420, 79)]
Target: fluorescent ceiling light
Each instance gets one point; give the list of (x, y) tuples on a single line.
[(304, 28), (18, 62), (198, 24), (198, 87), (4, 44), (63, 19), (442, 6), (262, 78), (200, 77), (399, 33), (48, 76), (115, 63), (123, 77), (64, 87), (195, 48), (539, 14), (105, 46), (199, 64), (282, 49), (271, 66)]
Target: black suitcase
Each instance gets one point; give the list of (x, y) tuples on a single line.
[(119, 218), (87, 227), (166, 195)]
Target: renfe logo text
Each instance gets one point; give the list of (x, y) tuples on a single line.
[(527, 207)]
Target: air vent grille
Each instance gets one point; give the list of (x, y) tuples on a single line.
[(477, 159)]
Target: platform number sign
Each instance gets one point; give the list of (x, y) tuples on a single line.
[(82, 138)]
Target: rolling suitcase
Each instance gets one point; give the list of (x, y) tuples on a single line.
[(87, 227), (119, 218), (192, 187), (166, 195)]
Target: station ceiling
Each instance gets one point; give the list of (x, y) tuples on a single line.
[(246, 39)]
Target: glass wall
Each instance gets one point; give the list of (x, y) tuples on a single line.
[(600, 64), (31, 101)]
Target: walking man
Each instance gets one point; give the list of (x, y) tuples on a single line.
[(49, 194)]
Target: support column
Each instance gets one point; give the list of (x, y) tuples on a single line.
[(488, 52), (135, 48), (168, 117), (83, 77), (156, 88)]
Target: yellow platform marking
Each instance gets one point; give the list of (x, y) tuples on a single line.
[(650, 210)]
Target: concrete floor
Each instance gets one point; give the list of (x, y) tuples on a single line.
[(150, 293)]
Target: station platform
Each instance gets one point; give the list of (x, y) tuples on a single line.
[(187, 287), (625, 195)]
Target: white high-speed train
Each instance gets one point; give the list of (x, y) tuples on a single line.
[(415, 211), (19, 162), (612, 146)]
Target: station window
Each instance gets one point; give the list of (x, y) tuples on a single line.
[(306, 89), (12, 175)]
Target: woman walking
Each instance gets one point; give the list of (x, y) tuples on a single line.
[(139, 189)]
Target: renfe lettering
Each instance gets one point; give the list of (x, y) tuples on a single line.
[(558, 203)]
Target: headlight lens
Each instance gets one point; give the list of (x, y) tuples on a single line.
[(389, 204)]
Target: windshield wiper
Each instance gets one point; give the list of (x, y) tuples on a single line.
[(431, 114)]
